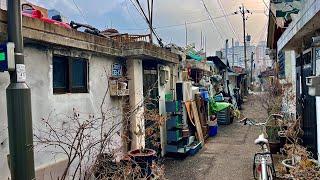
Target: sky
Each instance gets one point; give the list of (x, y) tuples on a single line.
[(170, 17)]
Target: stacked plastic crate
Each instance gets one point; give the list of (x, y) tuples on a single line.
[(177, 140)]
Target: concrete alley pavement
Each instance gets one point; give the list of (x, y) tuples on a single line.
[(228, 156)]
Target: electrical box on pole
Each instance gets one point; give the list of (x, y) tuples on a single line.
[(7, 62)]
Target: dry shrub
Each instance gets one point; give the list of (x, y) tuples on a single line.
[(305, 167), (272, 99), (89, 141)]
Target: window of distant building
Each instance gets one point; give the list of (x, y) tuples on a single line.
[(70, 75)]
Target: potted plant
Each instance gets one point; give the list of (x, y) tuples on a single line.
[(299, 163), (272, 129), (144, 159)]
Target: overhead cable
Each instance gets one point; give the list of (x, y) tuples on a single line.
[(149, 23), (212, 21), (227, 19)]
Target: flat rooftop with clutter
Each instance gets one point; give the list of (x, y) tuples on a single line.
[(49, 26)]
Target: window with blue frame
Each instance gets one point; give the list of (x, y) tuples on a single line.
[(70, 75)]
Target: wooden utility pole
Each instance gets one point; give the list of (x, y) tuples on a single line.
[(243, 11), (205, 44), (185, 23), (243, 14), (251, 70), (232, 52), (227, 73), (150, 14), (201, 42)]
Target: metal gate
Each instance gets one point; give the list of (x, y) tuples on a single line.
[(306, 105)]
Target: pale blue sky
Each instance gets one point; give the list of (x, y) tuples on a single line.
[(121, 15)]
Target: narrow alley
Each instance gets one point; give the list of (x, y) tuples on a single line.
[(228, 155), (160, 90)]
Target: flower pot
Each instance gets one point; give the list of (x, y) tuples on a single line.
[(282, 138), (287, 163), (144, 159), (274, 147)]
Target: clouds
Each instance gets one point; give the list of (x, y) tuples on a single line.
[(122, 15)]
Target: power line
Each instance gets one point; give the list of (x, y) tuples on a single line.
[(135, 6), (80, 11), (229, 23), (211, 19), (182, 24), (131, 16), (147, 21)]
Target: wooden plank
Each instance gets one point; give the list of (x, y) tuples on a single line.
[(197, 122), (189, 111)]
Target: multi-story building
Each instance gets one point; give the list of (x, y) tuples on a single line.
[(238, 50), (261, 61)]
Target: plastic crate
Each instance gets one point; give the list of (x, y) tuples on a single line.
[(177, 149), (173, 106), (175, 121), (195, 148), (224, 116), (219, 98), (174, 135)]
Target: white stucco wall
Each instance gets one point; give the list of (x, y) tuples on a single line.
[(163, 90), (39, 78), (289, 82)]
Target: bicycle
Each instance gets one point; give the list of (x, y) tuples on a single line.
[(263, 167)]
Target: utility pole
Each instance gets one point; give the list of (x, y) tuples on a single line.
[(150, 13), (232, 52), (201, 39), (19, 104), (185, 23), (205, 44), (251, 78), (243, 11), (227, 73)]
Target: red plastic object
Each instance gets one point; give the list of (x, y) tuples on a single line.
[(34, 13)]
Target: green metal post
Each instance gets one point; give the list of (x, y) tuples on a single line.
[(21, 159)]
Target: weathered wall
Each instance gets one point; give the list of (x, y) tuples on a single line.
[(39, 77), (289, 99), (136, 102)]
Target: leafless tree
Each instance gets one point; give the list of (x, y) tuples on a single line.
[(88, 140)]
